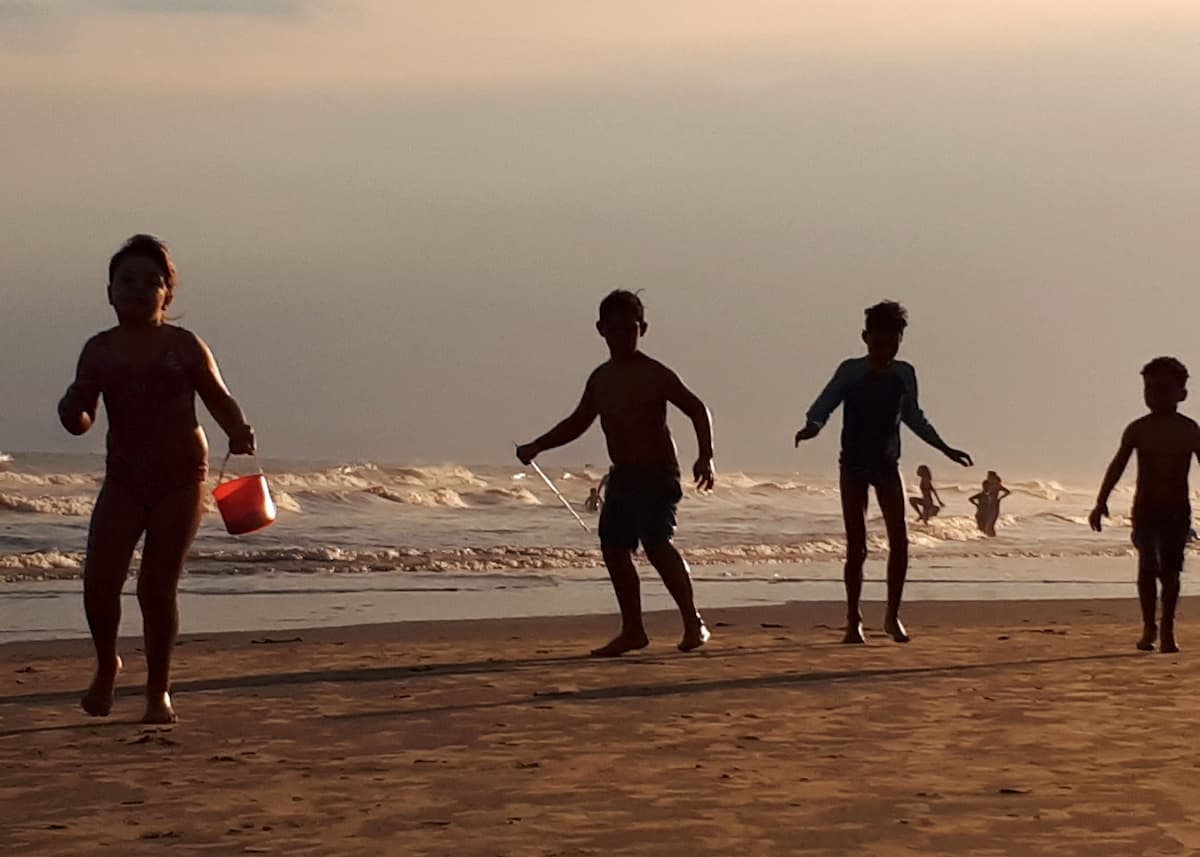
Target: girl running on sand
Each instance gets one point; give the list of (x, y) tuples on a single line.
[(148, 373)]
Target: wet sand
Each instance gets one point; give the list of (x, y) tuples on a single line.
[(1021, 728)]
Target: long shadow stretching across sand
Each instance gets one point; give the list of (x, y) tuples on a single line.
[(642, 691), (369, 674)]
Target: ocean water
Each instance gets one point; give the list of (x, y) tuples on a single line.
[(353, 532)]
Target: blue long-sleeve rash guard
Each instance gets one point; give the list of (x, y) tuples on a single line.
[(875, 402)]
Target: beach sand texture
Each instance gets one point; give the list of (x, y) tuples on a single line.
[(1002, 729)]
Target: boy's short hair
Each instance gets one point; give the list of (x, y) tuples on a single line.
[(1166, 367), (622, 301), (148, 247), (887, 317)]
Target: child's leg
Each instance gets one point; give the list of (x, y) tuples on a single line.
[(1170, 599), (854, 514), (673, 570), (1147, 584), (172, 524), (624, 577), (117, 523), (1171, 550), (918, 506), (890, 494)]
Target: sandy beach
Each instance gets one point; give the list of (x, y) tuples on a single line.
[(1003, 728)]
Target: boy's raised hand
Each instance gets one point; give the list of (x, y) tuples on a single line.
[(1097, 515), (527, 452), (703, 471), (809, 431), (960, 457)]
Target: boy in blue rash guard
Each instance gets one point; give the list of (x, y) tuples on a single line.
[(877, 392)]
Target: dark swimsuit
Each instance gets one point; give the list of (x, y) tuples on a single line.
[(137, 398)]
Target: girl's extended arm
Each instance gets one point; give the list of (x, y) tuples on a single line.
[(221, 404)]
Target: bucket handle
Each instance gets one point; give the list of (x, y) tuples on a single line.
[(225, 463)]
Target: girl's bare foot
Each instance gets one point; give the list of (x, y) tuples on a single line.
[(854, 633), (1149, 635), (159, 709), (694, 636), (98, 700), (894, 629), (622, 643)]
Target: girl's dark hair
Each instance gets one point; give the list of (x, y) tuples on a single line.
[(622, 301), (887, 317), (148, 247)]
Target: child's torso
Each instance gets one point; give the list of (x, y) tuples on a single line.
[(631, 400), (149, 394), (1165, 446), (871, 412)]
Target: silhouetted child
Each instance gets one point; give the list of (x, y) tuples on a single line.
[(595, 500), (878, 392), (148, 373), (930, 502), (630, 393), (1165, 442), (983, 507), (996, 493)]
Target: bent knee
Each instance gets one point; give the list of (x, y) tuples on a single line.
[(154, 590)]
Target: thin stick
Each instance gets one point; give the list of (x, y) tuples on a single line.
[(559, 495)]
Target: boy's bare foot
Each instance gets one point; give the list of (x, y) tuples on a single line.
[(621, 644), (98, 700), (1149, 635), (1169, 646), (694, 637), (854, 633), (159, 709), (894, 629)]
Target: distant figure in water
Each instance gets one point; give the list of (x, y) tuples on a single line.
[(1165, 441), (930, 502), (877, 392), (595, 500), (149, 373), (629, 393), (987, 503)]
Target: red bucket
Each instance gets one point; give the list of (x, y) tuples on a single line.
[(245, 503)]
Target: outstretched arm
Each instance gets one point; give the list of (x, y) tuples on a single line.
[(915, 419), (826, 403), (566, 431), (220, 402), (683, 398), (77, 408), (1111, 477)]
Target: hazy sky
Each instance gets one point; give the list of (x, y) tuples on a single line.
[(393, 220)]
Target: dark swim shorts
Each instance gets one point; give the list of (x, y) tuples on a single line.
[(639, 506), (1163, 538)]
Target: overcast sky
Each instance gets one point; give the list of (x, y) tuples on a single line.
[(393, 221)]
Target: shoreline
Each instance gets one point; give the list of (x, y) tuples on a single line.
[(282, 601)]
